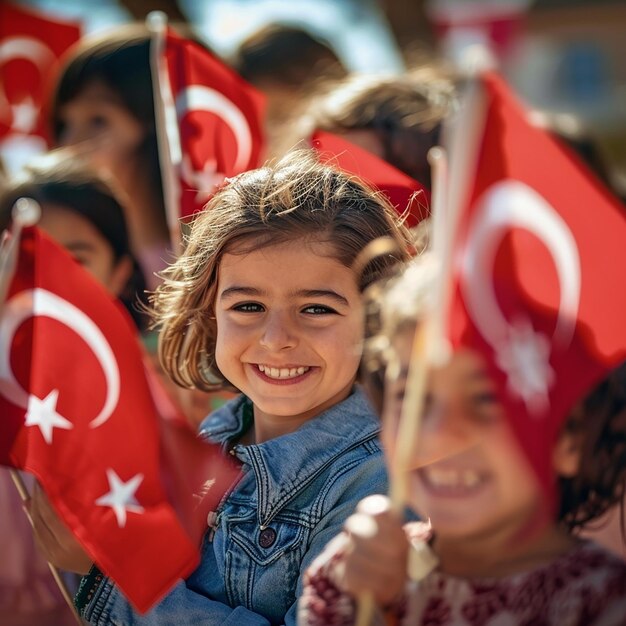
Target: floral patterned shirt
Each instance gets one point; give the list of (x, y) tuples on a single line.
[(585, 587)]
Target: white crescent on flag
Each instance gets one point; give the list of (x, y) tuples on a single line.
[(28, 48), (201, 98), (522, 353), (39, 302)]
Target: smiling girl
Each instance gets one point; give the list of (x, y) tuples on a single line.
[(264, 301)]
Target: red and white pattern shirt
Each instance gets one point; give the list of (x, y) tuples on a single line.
[(585, 587)]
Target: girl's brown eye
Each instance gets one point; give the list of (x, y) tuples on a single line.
[(318, 309), (248, 307)]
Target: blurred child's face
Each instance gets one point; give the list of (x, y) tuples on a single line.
[(85, 243), (99, 125), (468, 474), (289, 329)]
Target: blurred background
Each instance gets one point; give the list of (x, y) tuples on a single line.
[(563, 57)]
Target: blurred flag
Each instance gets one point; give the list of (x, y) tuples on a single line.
[(212, 120), (31, 44), (77, 412), (494, 24), (403, 191), (538, 271)]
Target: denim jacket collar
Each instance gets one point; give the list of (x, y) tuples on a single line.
[(286, 465)]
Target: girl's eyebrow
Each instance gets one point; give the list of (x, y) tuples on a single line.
[(237, 290), (322, 293), (241, 291)]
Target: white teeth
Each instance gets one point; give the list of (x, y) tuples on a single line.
[(283, 372), (452, 478)]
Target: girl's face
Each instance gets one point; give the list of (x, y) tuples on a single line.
[(97, 123), (289, 331), (469, 474), (85, 243)]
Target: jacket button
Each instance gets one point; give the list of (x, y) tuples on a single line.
[(267, 537)]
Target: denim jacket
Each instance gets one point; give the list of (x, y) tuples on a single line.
[(293, 497)]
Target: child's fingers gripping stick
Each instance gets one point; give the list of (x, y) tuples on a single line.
[(376, 555)]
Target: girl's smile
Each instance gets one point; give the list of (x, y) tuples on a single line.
[(451, 482), (283, 375)]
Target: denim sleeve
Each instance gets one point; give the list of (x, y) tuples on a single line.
[(182, 606)]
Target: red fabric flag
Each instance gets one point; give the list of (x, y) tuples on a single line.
[(31, 44), (219, 121), (77, 412), (402, 190), (539, 263)]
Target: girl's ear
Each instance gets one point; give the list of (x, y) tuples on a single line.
[(567, 452)]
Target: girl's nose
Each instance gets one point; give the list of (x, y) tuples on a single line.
[(278, 332), (443, 433)]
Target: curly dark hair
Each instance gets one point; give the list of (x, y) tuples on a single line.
[(600, 483)]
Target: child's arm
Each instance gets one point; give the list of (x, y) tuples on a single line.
[(370, 556)]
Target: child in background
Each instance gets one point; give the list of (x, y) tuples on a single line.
[(103, 108), (470, 477), (264, 300), (397, 118), (82, 213), (288, 64)]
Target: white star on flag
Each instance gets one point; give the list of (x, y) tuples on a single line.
[(24, 116), (43, 413), (206, 181), (525, 358), (121, 497)]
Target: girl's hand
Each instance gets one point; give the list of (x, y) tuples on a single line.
[(54, 540), (375, 559)]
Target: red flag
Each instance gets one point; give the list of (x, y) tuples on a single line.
[(77, 412), (402, 190), (30, 46), (539, 263), (219, 119), (498, 25)]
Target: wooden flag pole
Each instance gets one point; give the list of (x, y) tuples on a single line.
[(168, 141), (412, 404)]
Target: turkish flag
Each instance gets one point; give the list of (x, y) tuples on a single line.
[(77, 412), (538, 272), (402, 191), (31, 44), (219, 119)]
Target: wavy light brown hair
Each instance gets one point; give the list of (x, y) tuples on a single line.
[(297, 197)]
